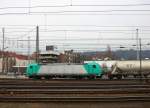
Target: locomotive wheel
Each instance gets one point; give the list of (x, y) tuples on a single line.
[(47, 77), (92, 77), (119, 77), (110, 77), (79, 77), (37, 77), (125, 76), (135, 76), (30, 77), (145, 76)]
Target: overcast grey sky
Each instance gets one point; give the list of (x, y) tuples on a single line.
[(74, 24)]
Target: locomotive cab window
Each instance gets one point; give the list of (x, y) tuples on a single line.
[(31, 67), (94, 66)]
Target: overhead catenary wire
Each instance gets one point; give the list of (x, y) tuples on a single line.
[(97, 12), (71, 5), (14, 26), (82, 14), (32, 8), (75, 39), (90, 11), (86, 12), (79, 30)]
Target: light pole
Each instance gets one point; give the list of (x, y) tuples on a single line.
[(137, 44), (3, 67), (140, 55), (37, 44), (3, 31), (140, 58), (29, 50)]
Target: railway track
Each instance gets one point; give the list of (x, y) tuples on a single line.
[(83, 89), (77, 93), (72, 81), (73, 86), (74, 91), (75, 99)]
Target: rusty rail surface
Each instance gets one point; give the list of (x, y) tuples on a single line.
[(72, 82), (73, 91), (75, 99)]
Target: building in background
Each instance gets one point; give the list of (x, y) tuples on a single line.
[(69, 57), (11, 60), (48, 57), (50, 48)]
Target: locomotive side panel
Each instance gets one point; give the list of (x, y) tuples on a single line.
[(62, 70), (88, 69)]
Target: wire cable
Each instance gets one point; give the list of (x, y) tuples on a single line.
[(69, 5)]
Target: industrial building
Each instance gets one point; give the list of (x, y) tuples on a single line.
[(48, 57)]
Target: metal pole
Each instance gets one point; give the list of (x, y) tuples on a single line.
[(29, 50), (3, 30), (37, 44), (140, 59), (137, 44)]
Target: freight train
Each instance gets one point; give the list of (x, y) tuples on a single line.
[(91, 69), (120, 69)]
